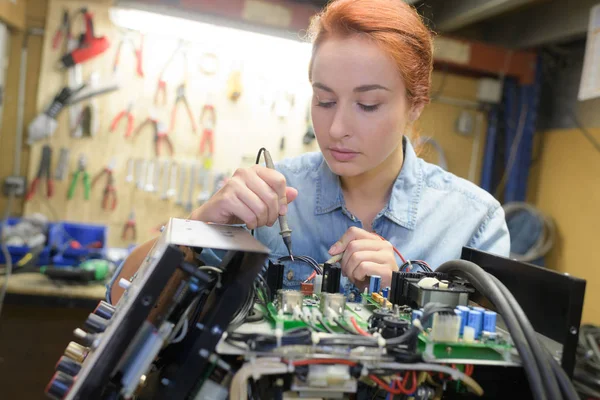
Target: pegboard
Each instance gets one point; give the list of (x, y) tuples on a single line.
[(242, 126)]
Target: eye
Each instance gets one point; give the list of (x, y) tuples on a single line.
[(368, 108), (325, 104)]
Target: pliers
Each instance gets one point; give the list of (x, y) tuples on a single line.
[(127, 114), (108, 170), (208, 119), (138, 52), (63, 30), (110, 194), (43, 170), (161, 88), (130, 227), (160, 134), (182, 98), (81, 169)]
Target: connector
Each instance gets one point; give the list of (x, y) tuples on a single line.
[(14, 185), (445, 328)]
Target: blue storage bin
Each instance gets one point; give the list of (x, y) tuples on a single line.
[(85, 234), (17, 252)]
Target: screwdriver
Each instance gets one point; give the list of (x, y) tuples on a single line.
[(285, 231)]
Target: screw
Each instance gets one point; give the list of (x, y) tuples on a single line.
[(200, 326), (573, 330), (216, 330), (165, 382), (146, 300)]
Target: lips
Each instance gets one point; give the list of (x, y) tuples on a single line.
[(342, 154)]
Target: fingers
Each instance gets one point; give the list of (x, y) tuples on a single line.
[(268, 197), (276, 181), (357, 250), (351, 234), (232, 205), (366, 269)]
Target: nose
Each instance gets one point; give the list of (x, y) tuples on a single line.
[(339, 126)]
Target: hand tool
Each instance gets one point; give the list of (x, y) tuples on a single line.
[(109, 199), (129, 177), (138, 53), (63, 164), (285, 231), (208, 119), (189, 205), (157, 172), (129, 229), (44, 124), (87, 271), (81, 169), (141, 175), (75, 79), (150, 177), (160, 134), (181, 98), (43, 171), (63, 30), (182, 174), (108, 170), (161, 87), (204, 193), (234, 85), (89, 46), (172, 181), (165, 181), (126, 113)]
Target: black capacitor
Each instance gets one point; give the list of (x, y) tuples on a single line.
[(68, 366), (331, 278), (104, 310), (376, 319), (274, 278), (394, 327), (59, 386), (95, 323)]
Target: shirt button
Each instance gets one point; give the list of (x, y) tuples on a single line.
[(290, 275)]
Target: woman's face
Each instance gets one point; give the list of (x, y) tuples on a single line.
[(359, 109)]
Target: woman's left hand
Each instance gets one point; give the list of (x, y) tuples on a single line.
[(365, 255)]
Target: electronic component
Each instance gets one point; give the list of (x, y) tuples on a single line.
[(476, 322), (393, 327), (469, 334), (416, 314), (318, 283), (445, 328), (489, 321), (306, 289), (374, 284), (332, 301), (385, 292), (464, 317), (275, 277), (419, 288), (331, 278), (287, 300)]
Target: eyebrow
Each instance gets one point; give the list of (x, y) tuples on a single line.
[(358, 89)]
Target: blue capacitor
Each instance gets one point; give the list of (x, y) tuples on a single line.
[(385, 292), (416, 314), (480, 309), (476, 322), (489, 321), (464, 317), (375, 284)]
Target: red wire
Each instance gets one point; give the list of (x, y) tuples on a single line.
[(395, 250), (358, 328), (385, 387), (469, 369), (311, 277), (405, 381)]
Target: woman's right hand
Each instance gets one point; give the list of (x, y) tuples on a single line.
[(254, 196)]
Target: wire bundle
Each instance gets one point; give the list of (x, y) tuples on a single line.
[(587, 370), (547, 379)]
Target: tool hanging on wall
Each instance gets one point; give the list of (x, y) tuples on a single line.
[(204, 194), (208, 120), (161, 135), (141, 174), (109, 197), (63, 164), (172, 181), (157, 174), (282, 107), (189, 205), (208, 63), (165, 180), (181, 98), (234, 84), (125, 38), (149, 187), (127, 114), (129, 229), (43, 171), (129, 176), (63, 30), (161, 87), (89, 45), (108, 171), (81, 170), (182, 173)]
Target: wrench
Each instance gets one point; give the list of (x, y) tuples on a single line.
[(179, 201), (140, 173), (172, 181), (150, 178), (165, 180), (129, 177), (204, 194), (189, 206), (157, 171)]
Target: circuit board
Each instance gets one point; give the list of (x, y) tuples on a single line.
[(498, 351)]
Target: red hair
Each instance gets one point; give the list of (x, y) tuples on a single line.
[(394, 25)]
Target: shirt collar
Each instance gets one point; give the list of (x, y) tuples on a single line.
[(404, 201)]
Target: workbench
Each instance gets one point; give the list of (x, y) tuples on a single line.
[(37, 321)]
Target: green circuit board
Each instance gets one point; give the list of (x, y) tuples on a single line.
[(499, 350)]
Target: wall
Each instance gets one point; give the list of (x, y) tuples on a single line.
[(566, 185), (35, 17), (269, 67)]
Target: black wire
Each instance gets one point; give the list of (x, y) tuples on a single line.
[(338, 323), (305, 259), (260, 151), (322, 322), (485, 285)]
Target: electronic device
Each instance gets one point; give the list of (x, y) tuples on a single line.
[(185, 330)]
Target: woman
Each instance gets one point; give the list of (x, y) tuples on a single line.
[(370, 72)]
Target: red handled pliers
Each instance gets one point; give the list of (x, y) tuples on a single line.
[(110, 194), (127, 114), (182, 98), (43, 171), (129, 227), (208, 120), (138, 53), (161, 134)]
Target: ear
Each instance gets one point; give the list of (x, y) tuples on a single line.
[(415, 112)]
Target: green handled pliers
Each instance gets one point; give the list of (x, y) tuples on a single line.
[(81, 169)]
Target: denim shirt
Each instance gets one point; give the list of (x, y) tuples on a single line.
[(431, 215)]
